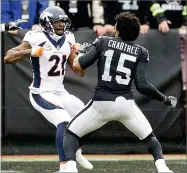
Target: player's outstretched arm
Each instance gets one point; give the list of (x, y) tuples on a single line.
[(18, 53), (83, 61), (73, 58), (146, 88), (12, 25)]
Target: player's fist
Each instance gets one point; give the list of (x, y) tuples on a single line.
[(75, 47), (37, 51), (170, 101)]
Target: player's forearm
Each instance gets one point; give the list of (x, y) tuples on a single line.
[(13, 56), (184, 15), (145, 87), (88, 59), (149, 90), (77, 68)]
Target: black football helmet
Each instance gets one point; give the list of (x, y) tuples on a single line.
[(51, 15)]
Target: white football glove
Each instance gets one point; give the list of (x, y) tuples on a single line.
[(15, 24), (170, 101), (85, 47)]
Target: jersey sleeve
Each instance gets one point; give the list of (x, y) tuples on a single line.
[(157, 12), (144, 57), (98, 43), (89, 58), (140, 78), (92, 55), (70, 38), (30, 38)]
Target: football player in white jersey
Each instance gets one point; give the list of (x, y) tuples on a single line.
[(49, 51)]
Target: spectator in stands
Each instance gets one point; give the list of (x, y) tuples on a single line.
[(98, 19), (151, 13), (112, 8), (31, 10), (165, 15), (10, 11), (78, 11), (24, 9), (83, 13)]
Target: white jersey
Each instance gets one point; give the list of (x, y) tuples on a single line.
[(49, 69)]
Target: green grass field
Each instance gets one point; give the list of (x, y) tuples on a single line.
[(178, 166)]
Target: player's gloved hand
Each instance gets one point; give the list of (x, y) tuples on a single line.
[(15, 24), (37, 51), (170, 101), (85, 47)]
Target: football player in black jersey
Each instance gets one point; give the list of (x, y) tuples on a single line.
[(119, 62)]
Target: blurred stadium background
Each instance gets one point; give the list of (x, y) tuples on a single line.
[(28, 140)]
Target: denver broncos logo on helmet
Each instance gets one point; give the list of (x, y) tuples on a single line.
[(51, 14), (45, 14)]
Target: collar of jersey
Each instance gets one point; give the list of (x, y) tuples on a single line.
[(56, 44)]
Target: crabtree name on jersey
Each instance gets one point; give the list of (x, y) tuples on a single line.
[(122, 46)]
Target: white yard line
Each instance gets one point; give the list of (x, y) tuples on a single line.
[(10, 171), (31, 158)]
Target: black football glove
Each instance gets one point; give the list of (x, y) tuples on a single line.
[(170, 101), (85, 47), (15, 24)]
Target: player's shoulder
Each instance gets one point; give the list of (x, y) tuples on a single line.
[(101, 39), (69, 33), (35, 32), (142, 48), (70, 37), (107, 37), (34, 35), (144, 53)]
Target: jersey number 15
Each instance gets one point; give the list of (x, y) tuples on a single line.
[(120, 67)]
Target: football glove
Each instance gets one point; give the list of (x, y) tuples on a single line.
[(170, 101), (15, 24), (81, 48), (85, 47)]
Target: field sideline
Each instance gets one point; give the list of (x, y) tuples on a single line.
[(38, 158), (102, 163)]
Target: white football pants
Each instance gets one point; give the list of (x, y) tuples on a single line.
[(56, 108), (97, 113)]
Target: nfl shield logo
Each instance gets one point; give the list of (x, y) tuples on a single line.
[(58, 47)]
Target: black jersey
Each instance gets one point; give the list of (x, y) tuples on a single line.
[(116, 65), (119, 62)]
